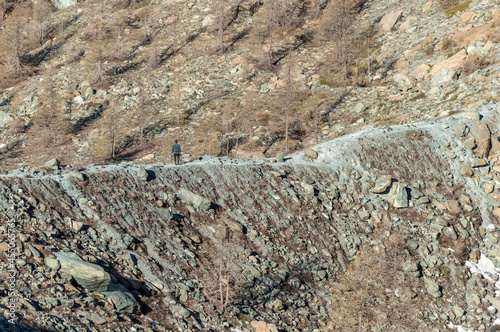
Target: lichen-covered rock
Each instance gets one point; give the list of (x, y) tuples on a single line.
[(310, 155), (199, 203), (88, 275), (122, 299)]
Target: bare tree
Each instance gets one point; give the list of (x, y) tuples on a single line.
[(100, 43), (249, 120), (144, 112), (12, 44), (41, 15), (221, 25), (220, 279), (289, 98), (227, 125), (49, 121)]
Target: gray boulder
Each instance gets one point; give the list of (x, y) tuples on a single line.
[(61, 4), (142, 174), (383, 182), (5, 119), (53, 163), (201, 204), (89, 276), (310, 154), (122, 299), (398, 196)]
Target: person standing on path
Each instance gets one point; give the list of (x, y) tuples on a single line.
[(176, 153)]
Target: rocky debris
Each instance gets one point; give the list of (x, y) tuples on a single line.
[(392, 198), (88, 275)]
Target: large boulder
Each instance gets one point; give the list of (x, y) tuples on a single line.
[(398, 195), (445, 76), (89, 276), (123, 301), (52, 163), (383, 182), (61, 4), (199, 203), (389, 21), (481, 134), (454, 62), (142, 174), (5, 119), (310, 155)]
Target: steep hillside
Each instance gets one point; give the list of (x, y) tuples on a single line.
[(390, 229), (100, 80)]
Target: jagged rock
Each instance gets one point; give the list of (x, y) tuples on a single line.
[(122, 299), (433, 288), (52, 263), (142, 174), (180, 310), (4, 247), (482, 135), (454, 63), (445, 76), (94, 318), (359, 108), (470, 143), (310, 155), (261, 326), (61, 4), (453, 206), (383, 182), (467, 171), (459, 312), (390, 20), (460, 128), (405, 82), (421, 72), (201, 204), (471, 115), (53, 163), (398, 195), (279, 157), (88, 275), (5, 119), (207, 21)]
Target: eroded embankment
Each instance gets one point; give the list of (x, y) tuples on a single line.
[(375, 230)]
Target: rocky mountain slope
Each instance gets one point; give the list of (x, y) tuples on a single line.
[(387, 229), (162, 77)]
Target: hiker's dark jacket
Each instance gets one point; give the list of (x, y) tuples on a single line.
[(176, 149)]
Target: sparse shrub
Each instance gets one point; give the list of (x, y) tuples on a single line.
[(458, 8), (445, 4), (494, 33), (447, 44), (475, 62), (428, 49), (75, 55)]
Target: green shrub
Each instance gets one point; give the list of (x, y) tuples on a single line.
[(458, 8)]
